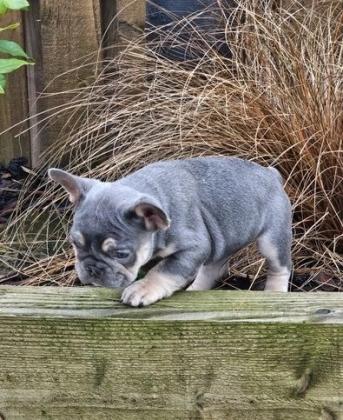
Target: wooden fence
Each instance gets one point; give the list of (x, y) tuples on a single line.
[(57, 35), (77, 353)]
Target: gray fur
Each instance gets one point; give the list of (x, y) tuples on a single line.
[(215, 207)]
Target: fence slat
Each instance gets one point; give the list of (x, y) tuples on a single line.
[(70, 31), (131, 19), (109, 28), (13, 106), (34, 77), (78, 353)]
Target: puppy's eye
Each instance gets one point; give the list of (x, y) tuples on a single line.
[(109, 246), (121, 254)]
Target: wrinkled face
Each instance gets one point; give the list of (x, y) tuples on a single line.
[(109, 252), (113, 228)]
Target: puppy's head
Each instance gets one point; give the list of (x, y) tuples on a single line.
[(113, 228)]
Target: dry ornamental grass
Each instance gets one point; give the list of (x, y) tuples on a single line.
[(276, 99)]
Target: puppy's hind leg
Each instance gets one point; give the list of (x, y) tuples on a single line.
[(276, 249), (208, 275)]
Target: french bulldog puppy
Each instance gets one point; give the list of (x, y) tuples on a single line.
[(193, 213)]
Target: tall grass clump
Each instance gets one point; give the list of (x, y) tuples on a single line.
[(276, 98)]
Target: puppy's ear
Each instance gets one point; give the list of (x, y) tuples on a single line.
[(154, 217), (76, 186), (151, 214)]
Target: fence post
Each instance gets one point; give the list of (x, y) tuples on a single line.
[(13, 105)]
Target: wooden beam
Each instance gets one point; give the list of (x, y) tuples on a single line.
[(34, 74), (78, 353), (131, 19), (109, 28)]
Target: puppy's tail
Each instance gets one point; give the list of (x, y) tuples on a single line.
[(277, 173)]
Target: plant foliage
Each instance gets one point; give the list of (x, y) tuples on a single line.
[(18, 56)]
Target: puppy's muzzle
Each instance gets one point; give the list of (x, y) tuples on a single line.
[(94, 271)]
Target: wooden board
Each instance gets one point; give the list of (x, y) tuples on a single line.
[(13, 106), (33, 46), (79, 354), (70, 37), (131, 19)]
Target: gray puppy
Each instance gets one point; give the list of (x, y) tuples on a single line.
[(194, 213)]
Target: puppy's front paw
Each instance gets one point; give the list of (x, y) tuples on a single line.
[(144, 293)]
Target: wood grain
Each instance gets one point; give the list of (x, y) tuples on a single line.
[(131, 19), (70, 37), (78, 353), (34, 74), (109, 28)]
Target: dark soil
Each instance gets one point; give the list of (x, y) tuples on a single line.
[(11, 181)]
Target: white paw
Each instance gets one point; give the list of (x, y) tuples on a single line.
[(277, 282), (143, 293), (197, 286)]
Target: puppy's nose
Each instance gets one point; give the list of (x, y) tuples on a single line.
[(94, 271)]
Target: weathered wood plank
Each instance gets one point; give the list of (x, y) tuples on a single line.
[(216, 305), (34, 74), (78, 353), (13, 106), (131, 19), (70, 32), (109, 28)]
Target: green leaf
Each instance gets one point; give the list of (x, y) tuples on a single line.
[(12, 48), (3, 8), (7, 65), (16, 4), (2, 83), (11, 26)]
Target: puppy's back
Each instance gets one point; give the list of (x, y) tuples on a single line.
[(234, 200)]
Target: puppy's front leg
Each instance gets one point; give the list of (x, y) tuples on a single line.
[(170, 275)]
